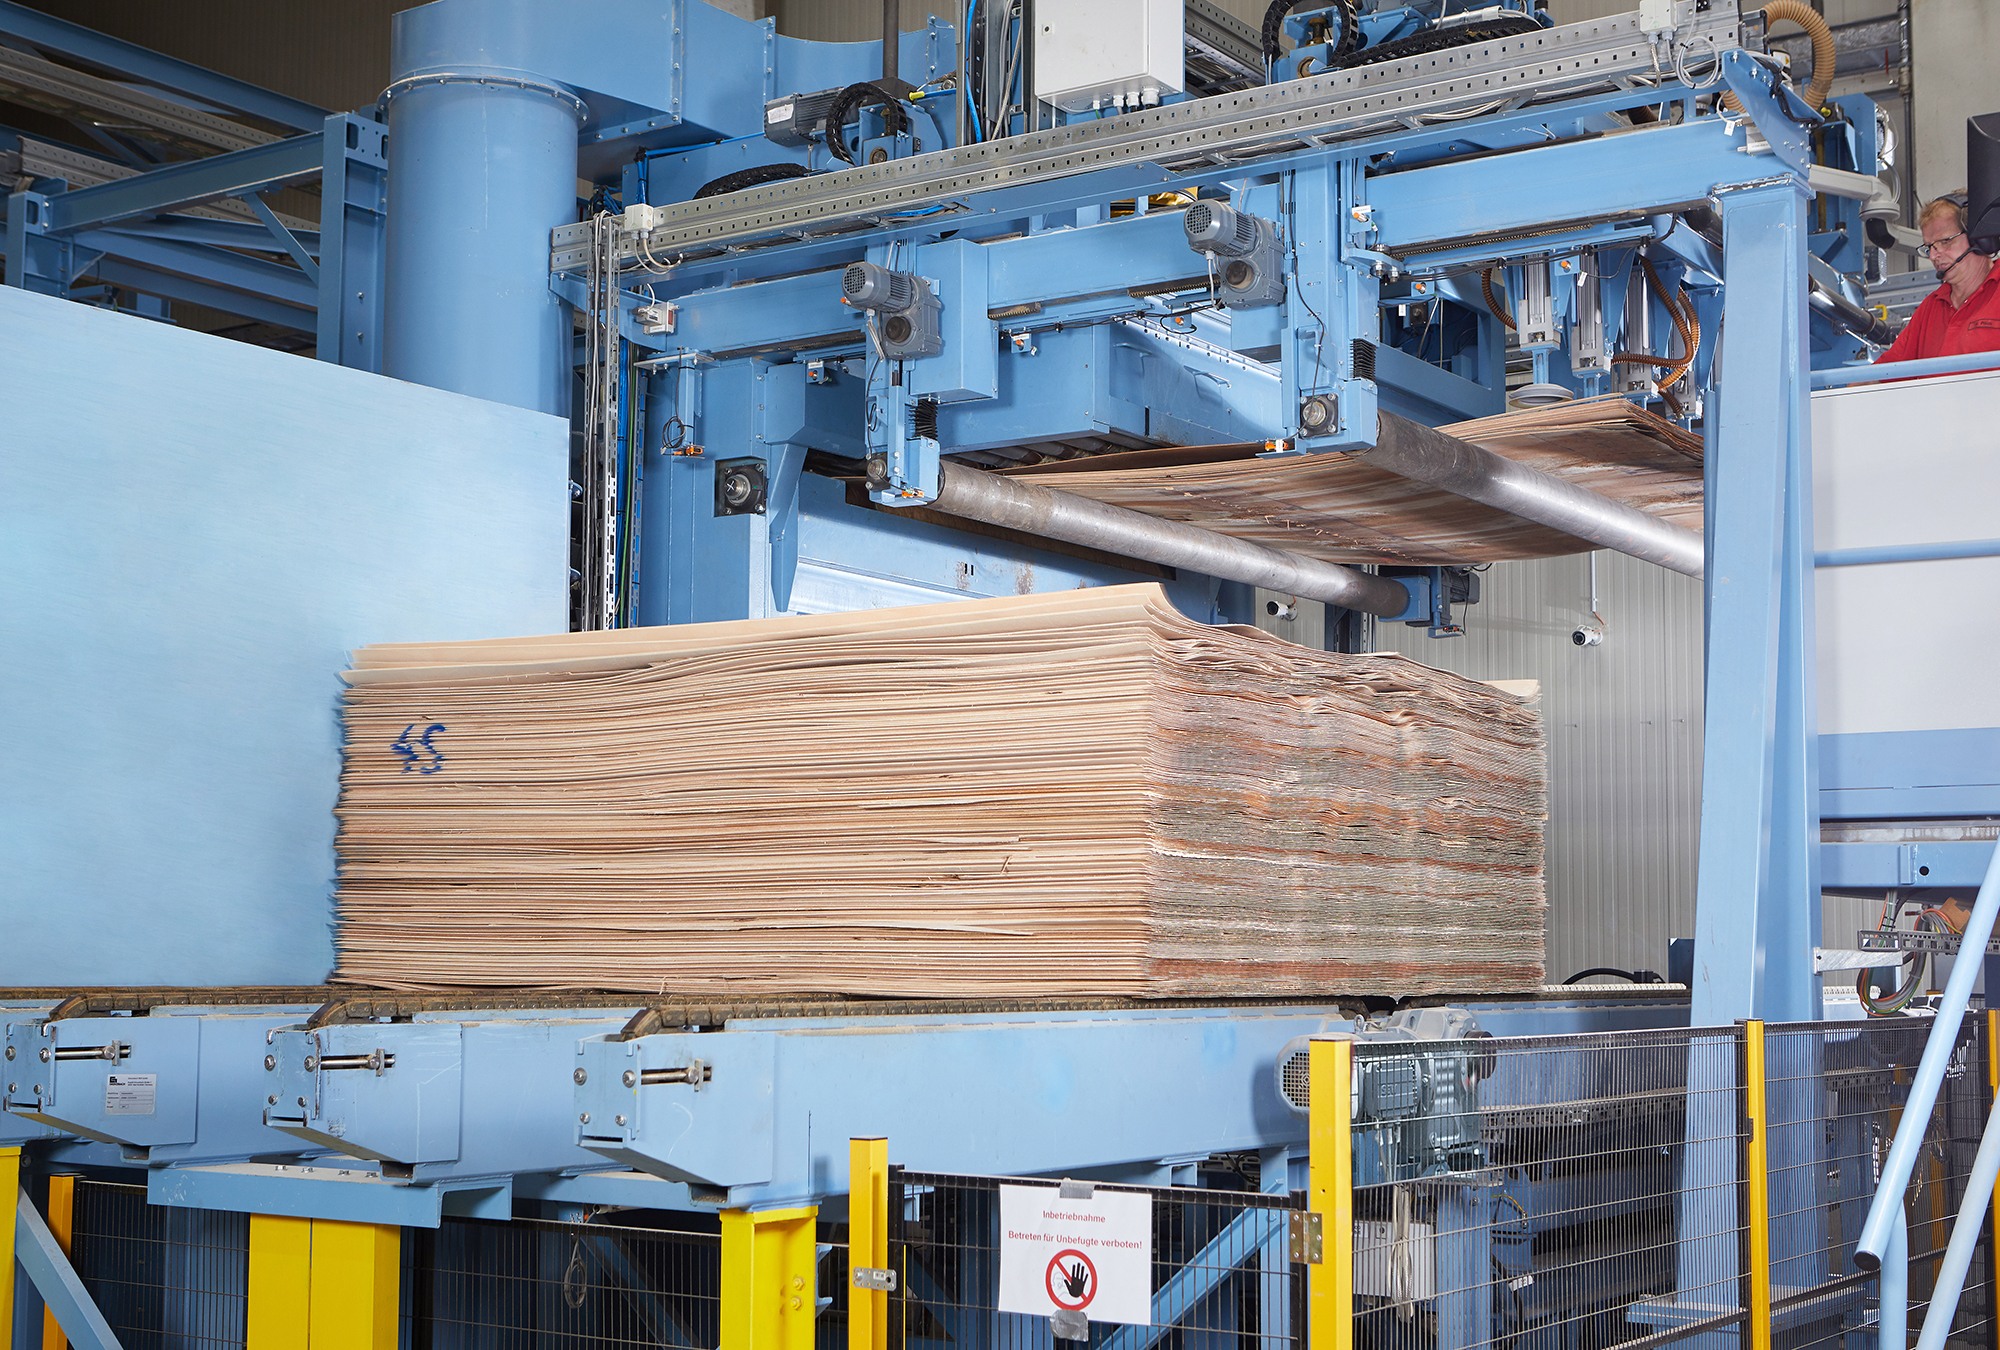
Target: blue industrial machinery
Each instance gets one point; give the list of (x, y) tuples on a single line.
[(814, 293)]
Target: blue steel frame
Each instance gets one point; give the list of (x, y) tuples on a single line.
[(126, 232)]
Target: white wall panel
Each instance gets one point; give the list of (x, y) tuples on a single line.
[(1624, 726)]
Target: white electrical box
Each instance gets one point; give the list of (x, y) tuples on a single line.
[(1123, 54)]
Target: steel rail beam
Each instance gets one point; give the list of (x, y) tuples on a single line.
[(1052, 514), (173, 186), (99, 49), (1426, 455), (73, 88), (44, 159), (1184, 138)]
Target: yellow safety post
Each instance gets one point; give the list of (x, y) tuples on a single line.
[(357, 1286), (10, 1196), (280, 1283), (1757, 1161), (62, 1226), (769, 1296), (1330, 1195), (1993, 1096), (867, 1241), (322, 1283)]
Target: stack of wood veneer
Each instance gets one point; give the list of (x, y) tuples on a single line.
[(1083, 794)]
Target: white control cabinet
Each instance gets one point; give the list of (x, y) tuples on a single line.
[(1121, 53)]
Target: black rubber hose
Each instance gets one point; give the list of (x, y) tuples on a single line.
[(1635, 976), (1274, 25), (852, 98), (749, 178)]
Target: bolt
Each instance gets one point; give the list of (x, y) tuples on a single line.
[(271, 1100), (46, 1056), (302, 1101), (631, 1079), (585, 1117), (311, 1063), (10, 1052), (798, 1281), (270, 1063), (621, 1120), (797, 1303), (581, 1076)]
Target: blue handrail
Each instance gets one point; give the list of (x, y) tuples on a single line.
[(1837, 376), (1886, 1210)]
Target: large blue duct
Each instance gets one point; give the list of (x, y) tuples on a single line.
[(482, 165)]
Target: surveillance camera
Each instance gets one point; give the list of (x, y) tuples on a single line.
[(1587, 636)]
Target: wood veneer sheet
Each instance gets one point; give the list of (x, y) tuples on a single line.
[(1342, 509), (1075, 794)]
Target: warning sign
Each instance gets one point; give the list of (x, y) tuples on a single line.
[(1093, 1256)]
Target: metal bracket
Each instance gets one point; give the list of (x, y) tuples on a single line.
[(874, 1277), (1835, 958), (1307, 1237)]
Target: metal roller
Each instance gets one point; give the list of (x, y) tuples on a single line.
[(978, 495), (1426, 455)]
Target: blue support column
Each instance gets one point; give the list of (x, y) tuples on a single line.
[(1756, 899), (353, 218), (483, 166), (1328, 304)]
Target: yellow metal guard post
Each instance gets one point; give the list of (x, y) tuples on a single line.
[(280, 1283), (769, 1298), (317, 1283), (1757, 1166), (867, 1241), (62, 1226), (1330, 1195), (356, 1288), (1993, 1100), (10, 1196)]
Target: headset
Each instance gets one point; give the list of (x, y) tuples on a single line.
[(1987, 244)]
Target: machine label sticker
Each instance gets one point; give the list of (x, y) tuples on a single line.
[(130, 1094), (1090, 1256), (416, 749), (779, 113)]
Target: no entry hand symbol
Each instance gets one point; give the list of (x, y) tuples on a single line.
[(1071, 1280)]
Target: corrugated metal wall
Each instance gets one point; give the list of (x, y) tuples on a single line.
[(1624, 728)]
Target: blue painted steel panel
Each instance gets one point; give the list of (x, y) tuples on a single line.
[(193, 533), (1635, 174), (1956, 863), (1882, 775)]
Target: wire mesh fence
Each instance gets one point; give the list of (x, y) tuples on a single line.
[(528, 1284), (1220, 1272), (1546, 1193), (1837, 1092), (164, 1278)]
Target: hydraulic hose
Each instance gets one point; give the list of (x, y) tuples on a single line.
[(1802, 14)]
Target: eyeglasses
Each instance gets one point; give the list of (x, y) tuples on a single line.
[(1925, 250)]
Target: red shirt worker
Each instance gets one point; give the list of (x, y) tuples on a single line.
[(1963, 314)]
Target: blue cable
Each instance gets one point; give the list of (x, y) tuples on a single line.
[(965, 40)]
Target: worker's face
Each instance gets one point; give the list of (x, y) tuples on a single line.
[(1944, 255)]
